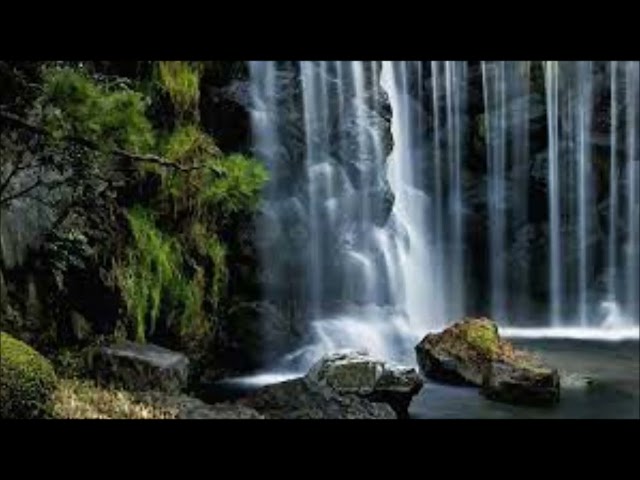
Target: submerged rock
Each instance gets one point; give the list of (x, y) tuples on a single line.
[(302, 399), (373, 380), (140, 367), (471, 352)]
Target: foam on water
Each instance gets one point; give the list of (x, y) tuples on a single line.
[(575, 333)]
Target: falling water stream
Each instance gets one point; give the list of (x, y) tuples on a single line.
[(370, 232)]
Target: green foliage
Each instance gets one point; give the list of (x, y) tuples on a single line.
[(152, 265), (208, 245), (155, 285), (74, 104), (224, 187), (181, 80), (237, 189), (27, 381), (188, 145), (192, 325)]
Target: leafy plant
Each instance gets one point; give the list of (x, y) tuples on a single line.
[(74, 104), (238, 187), (181, 80), (151, 267), (155, 284)]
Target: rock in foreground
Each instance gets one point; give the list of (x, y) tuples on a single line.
[(373, 380), (301, 399), (341, 385), (140, 367), (528, 383), (190, 408), (472, 352)]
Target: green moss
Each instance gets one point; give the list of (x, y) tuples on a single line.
[(483, 336), (27, 381), (181, 80), (72, 103), (188, 145)]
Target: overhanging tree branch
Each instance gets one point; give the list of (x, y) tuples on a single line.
[(152, 159)]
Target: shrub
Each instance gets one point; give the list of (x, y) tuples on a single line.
[(27, 381), (72, 103), (237, 188), (181, 80)]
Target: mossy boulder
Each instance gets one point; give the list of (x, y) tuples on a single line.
[(27, 381), (471, 352), (460, 354)]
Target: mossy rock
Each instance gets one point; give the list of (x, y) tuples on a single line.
[(471, 352), (27, 381), (461, 353), (482, 334)]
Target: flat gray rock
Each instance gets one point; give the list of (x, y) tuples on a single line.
[(140, 367)]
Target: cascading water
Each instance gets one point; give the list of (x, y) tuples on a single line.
[(327, 230), (576, 157), (632, 246), (373, 231), (448, 84), (553, 188), (495, 96)]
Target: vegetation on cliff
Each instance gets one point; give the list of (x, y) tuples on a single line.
[(128, 200)]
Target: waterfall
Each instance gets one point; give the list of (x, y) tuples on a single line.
[(572, 196), (553, 187), (632, 246), (382, 220), (506, 115), (456, 82), (411, 204), (612, 250), (583, 111), (493, 75)]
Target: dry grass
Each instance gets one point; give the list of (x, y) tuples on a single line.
[(84, 400)]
